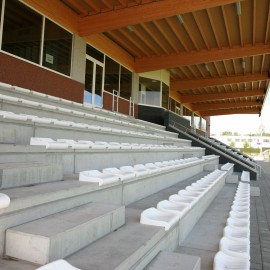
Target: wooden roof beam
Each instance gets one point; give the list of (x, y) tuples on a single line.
[(193, 84), (143, 13), (198, 57), (230, 111), (217, 106), (219, 96)]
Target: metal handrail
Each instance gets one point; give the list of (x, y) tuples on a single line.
[(131, 107)]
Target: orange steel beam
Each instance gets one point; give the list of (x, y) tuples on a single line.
[(219, 96), (193, 84), (198, 57), (217, 106), (111, 20), (230, 111)]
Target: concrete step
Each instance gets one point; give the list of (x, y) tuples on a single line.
[(29, 173), (60, 235), (7, 135), (174, 261)]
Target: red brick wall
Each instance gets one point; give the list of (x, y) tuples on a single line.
[(21, 73)]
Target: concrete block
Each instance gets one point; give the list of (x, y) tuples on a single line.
[(232, 179), (210, 167), (57, 236), (29, 173), (255, 192), (174, 261), (7, 135)]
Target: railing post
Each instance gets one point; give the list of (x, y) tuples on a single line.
[(131, 107), (115, 95)]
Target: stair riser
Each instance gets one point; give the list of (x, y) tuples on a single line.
[(15, 177), (42, 250)]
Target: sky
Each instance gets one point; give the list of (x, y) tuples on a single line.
[(243, 123)]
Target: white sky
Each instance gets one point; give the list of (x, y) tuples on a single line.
[(242, 123)]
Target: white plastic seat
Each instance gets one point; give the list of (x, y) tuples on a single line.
[(47, 106), (175, 198), (121, 174), (73, 144), (13, 116), (96, 176), (62, 123), (222, 261), (239, 215), (152, 167), (90, 143), (161, 166), (100, 145), (94, 127), (237, 233), (238, 223), (48, 142), (141, 169), (155, 217), (79, 125), (196, 189), (114, 145), (42, 120), (193, 194), (176, 208), (4, 200), (245, 176), (126, 146), (58, 265), (131, 169), (29, 102), (238, 248)]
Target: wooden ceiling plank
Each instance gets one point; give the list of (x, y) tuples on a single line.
[(210, 82), (127, 46), (123, 3), (189, 32), (201, 30), (234, 67), (198, 57), (223, 105), (263, 60), (145, 40), (226, 25), (93, 5), (185, 73), (108, 4), (252, 64), (174, 30), (267, 25), (154, 37), (200, 70), (216, 67), (213, 27), (225, 66), (111, 20), (230, 111), (254, 23), (240, 30), (128, 36), (80, 6), (220, 96), (164, 33)]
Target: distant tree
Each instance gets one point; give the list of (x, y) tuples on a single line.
[(226, 133), (246, 144), (235, 134), (232, 144)]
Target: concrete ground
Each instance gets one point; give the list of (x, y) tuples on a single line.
[(260, 222)]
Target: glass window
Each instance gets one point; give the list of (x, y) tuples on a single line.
[(172, 104), (149, 91), (94, 53), (22, 31), (187, 113), (196, 121), (57, 48), (98, 85), (111, 75), (203, 126), (165, 95), (88, 82), (125, 83)]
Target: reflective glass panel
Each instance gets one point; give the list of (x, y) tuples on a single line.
[(125, 83)]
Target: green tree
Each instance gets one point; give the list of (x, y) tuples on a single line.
[(232, 144), (246, 144), (226, 133)]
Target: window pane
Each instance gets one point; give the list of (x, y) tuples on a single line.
[(95, 53), (111, 75), (88, 82), (165, 95), (57, 48), (149, 91), (125, 83), (22, 31), (98, 85)]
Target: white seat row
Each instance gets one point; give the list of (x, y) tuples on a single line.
[(4, 200), (234, 246), (86, 144), (63, 123), (58, 265), (111, 175), (169, 212), (245, 176), (227, 166), (209, 157)]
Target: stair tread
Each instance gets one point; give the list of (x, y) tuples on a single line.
[(17, 165), (63, 221)]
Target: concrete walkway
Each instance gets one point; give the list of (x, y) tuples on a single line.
[(260, 223), (203, 240)]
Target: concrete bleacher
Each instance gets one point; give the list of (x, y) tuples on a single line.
[(52, 215)]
